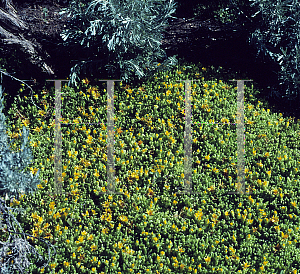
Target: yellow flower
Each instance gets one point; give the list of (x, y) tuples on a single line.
[(207, 259), (52, 205), (293, 204), (93, 247), (123, 218), (251, 200), (85, 81), (245, 265), (207, 157), (260, 164)]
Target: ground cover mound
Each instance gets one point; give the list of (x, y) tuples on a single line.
[(206, 232)]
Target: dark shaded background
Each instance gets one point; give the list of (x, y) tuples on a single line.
[(198, 38)]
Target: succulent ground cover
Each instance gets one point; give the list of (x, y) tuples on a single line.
[(150, 229)]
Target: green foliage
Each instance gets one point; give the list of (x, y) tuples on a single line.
[(278, 38), (93, 231), (125, 35), (222, 11), (232, 12), (205, 9), (12, 182)]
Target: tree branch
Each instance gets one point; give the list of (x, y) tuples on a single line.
[(13, 19), (12, 30)]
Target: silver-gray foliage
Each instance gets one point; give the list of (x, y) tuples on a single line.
[(129, 32), (281, 30), (18, 247), (12, 182)]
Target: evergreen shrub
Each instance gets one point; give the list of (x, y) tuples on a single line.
[(126, 35), (278, 38)]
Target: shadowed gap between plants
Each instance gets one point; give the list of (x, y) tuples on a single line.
[(233, 54)]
